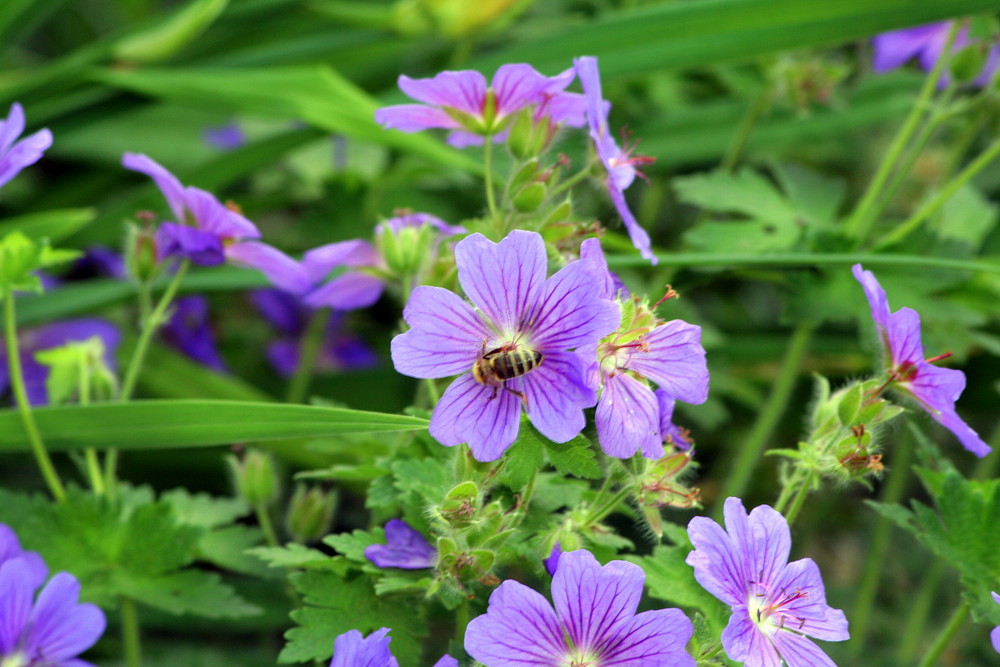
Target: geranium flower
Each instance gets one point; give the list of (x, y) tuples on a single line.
[(16, 155), (620, 164), (352, 649), (935, 389), (208, 233), (776, 605), (48, 336), (593, 623), (405, 548), (462, 102), (519, 320), (49, 630), (926, 42)]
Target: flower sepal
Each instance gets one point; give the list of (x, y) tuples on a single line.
[(310, 513)]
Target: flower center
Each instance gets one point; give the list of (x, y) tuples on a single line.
[(769, 612), (17, 659)]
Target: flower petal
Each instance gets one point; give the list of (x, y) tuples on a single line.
[(948, 418), (414, 118), (216, 218), (285, 312), (570, 312), (446, 339), (520, 629), (877, 300), (17, 588), (63, 628), (814, 617), (892, 49), (283, 271), (168, 184), (652, 639), (486, 417), (406, 548), (594, 602), (628, 418), (675, 360), (798, 651), (352, 650), (463, 90), (348, 291), (24, 153), (556, 395), (638, 235), (762, 537), (903, 335), (318, 262), (516, 86), (744, 642), (11, 127), (504, 279), (201, 247), (718, 566)]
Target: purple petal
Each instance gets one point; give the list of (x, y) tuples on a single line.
[(556, 395), (516, 86), (570, 312), (17, 589), (876, 297), (463, 139), (283, 271), (216, 218), (190, 331), (226, 137), (446, 338), (593, 601), (520, 629), (591, 251), (669, 431), (744, 642), (168, 184), (809, 614), (948, 418), (675, 360), (486, 417), (798, 651), (62, 627), (414, 118), (318, 262), (284, 311), (446, 661), (352, 650), (903, 335), (552, 562), (995, 638), (762, 538), (654, 639), (202, 248), (464, 90), (564, 108), (628, 418), (417, 220), (640, 239), (406, 548), (894, 48), (12, 127), (24, 153), (348, 291), (503, 280), (283, 355), (989, 67)]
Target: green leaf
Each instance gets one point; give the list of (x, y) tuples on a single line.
[(967, 217), (21, 256), (187, 592), (352, 545), (293, 556), (53, 225), (191, 423), (522, 460), (168, 36), (576, 457)]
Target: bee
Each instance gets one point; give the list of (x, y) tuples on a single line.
[(500, 364)]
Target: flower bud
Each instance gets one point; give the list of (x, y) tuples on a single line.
[(527, 138), (530, 198), (310, 513), (141, 261), (967, 63), (255, 478)]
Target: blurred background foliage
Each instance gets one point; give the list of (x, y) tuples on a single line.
[(270, 103)]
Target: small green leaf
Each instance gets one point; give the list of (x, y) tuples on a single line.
[(352, 545), (576, 457), (522, 460), (167, 36)]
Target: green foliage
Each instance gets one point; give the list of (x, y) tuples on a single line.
[(78, 370), (51, 225), (21, 256), (576, 457)]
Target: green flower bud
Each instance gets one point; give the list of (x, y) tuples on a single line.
[(310, 513), (530, 198), (140, 254), (968, 62), (255, 478)]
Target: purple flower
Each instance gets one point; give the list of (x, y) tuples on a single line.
[(995, 634), (52, 335), (620, 165), (406, 548), (351, 649), (510, 347), (935, 389), (352, 286), (462, 102), (16, 155), (670, 433), (340, 350), (776, 605), (208, 233), (226, 137), (552, 562), (593, 621), (190, 331), (404, 221), (51, 629), (892, 49)]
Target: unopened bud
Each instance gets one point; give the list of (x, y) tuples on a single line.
[(310, 513), (255, 478), (141, 261), (530, 198)]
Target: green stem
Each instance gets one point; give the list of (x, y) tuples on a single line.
[(736, 260), (23, 405), (130, 632), (753, 448), (266, 525), (432, 391), (876, 560), (945, 636), (941, 198), (920, 610), (598, 513), (800, 497), (90, 454), (309, 349), (491, 201), (745, 129), (149, 327), (859, 224), (566, 184), (111, 472)]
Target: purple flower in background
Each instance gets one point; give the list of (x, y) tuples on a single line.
[(190, 331), (776, 605), (406, 548), (351, 649), (98, 261), (552, 562), (620, 165), (405, 221), (935, 389), (462, 102), (510, 347), (892, 49), (208, 233), (340, 350), (49, 630), (995, 634), (670, 433), (352, 286), (593, 621), (16, 155), (53, 335), (613, 286), (226, 137)]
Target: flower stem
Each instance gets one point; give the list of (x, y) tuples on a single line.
[(860, 223), (941, 198), (309, 348), (800, 497), (920, 609), (567, 183), (601, 511), (130, 632), (745, 129), (491, 201), (266, 525), (944, 637), (149, 326), (23, 405), (768, 418)]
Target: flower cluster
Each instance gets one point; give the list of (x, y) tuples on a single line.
[(47, 630)]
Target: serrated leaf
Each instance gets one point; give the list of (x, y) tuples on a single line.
[(293, 555), (576, 457), (187, 592), (203, 510), (521, 462), (352, 545), (227, 548)]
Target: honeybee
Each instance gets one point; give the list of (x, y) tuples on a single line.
[(500, 364)]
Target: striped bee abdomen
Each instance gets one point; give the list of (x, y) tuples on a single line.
[(499, 365)]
